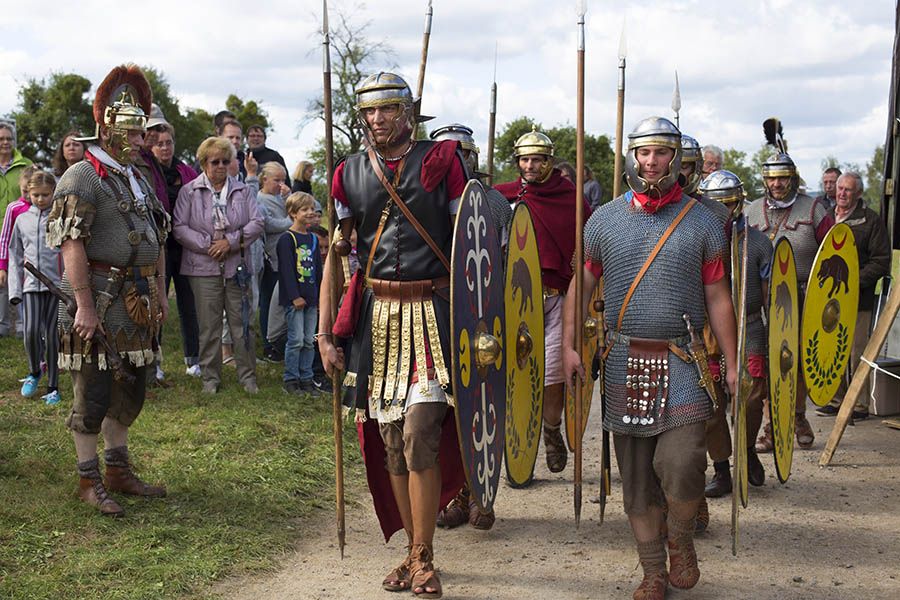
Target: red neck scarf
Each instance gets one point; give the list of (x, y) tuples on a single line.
[(650, 204)]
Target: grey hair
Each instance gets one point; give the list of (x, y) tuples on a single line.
[(11, 127), (713, 150), (857, 177)]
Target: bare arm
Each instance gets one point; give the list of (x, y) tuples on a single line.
[(331, 356), (721, 320), (76, 267), (571, 358)]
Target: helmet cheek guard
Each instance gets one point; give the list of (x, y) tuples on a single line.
[(653, 131), (781, 165), (536, 143), (725, 187), (387, 89)]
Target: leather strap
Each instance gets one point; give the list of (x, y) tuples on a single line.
[(373, 159), (662, 240), (384, 215)]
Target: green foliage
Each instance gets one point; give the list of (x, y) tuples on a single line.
[(736, 162), (248, 113), (241, 474), (874, 176), (598, 153), (47, 109), (191, 128)]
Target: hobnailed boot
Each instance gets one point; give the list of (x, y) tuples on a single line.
[(653, 560), (702, 517), (456, 512), (555, 447), (804, 432), (91, 489), (120, 477), (720, 484), (478, 519), (684, 572)]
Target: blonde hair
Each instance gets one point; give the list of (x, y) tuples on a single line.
[(27, 172), (301, 169), (215, 145), (39, 178), (271, 169), (298, 201)]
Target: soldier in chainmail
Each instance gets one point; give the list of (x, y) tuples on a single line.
[(726, 189), (654, 406), (785, 212), (550, 197), (112, 231)]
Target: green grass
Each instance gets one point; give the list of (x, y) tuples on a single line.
[(242, 472)]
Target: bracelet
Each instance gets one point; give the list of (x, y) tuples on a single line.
[(80, 288), (318, 335)]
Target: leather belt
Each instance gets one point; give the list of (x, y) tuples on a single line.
[(406, 291), (145, 271), (675, 344), (549, 292)]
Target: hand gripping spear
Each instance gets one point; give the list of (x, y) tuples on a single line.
[(334, 283), (620, 114), (426, 37), (492, 123), (579, 258)]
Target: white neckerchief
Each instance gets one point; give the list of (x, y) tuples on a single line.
[(101, 155)]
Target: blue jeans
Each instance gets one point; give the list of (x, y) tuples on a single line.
[(298, 352)]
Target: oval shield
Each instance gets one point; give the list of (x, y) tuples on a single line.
[(476, 315), (784, 354), (739, 274), (525, 341), (590, 342), (829, 313)]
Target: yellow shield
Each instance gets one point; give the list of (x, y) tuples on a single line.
[(739, 274), (524, 301), (784, 354), (829, 313), (593, 326)]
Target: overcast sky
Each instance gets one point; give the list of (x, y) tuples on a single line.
[(821, 66)]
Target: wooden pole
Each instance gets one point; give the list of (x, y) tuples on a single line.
[(492, 124), (861, 374), (579, 261), (426, 37), (620, 115), (334, 284)]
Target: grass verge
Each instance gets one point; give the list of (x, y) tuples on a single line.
[(242, 472)]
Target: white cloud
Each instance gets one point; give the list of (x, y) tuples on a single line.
[(821, 66)]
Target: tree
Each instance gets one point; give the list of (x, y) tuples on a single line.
[(353, 56), (191, 128), (598, 153), (49, 109), (249, 113), (874, 174), (736, 162)]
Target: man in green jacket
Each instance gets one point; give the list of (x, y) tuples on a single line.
[(12, 163)]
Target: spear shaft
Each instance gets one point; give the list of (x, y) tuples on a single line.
[(426, 37), (492, 124), (334, 284), (579, 261), (620, 114)]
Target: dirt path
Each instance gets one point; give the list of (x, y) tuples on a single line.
[(829, 533)]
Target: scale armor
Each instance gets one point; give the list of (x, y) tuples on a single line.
[(620, 237), (87, 207), (797, 223)]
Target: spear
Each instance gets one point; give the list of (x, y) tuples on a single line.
[(426, 37), (676, 102), (334, 283), (492, 123), (579, 257), (620, 114)]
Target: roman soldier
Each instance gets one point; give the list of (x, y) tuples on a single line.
[(784, 211), (726, 189), (112, 231), (661, 255), (397, 369), (551, 199)]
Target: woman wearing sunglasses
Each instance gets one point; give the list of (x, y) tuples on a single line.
[(216, 219)]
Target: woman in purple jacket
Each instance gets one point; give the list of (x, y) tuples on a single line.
[(215, 221)]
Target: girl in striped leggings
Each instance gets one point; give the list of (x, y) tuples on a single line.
[(29, 243)]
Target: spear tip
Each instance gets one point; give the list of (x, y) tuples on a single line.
[(623, 46)]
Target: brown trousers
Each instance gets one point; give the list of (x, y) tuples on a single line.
[(860, 339), (718, 434)]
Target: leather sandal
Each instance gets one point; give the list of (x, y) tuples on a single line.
[(555, 448), (456, 512), (480, 520), (684, 573), (653, 587), (804, 432), (765, 443), (424, 575), (702, 517), (398, 580)]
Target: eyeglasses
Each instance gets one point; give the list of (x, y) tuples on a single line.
[(165, 144), (220, 161), (6, 139)]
